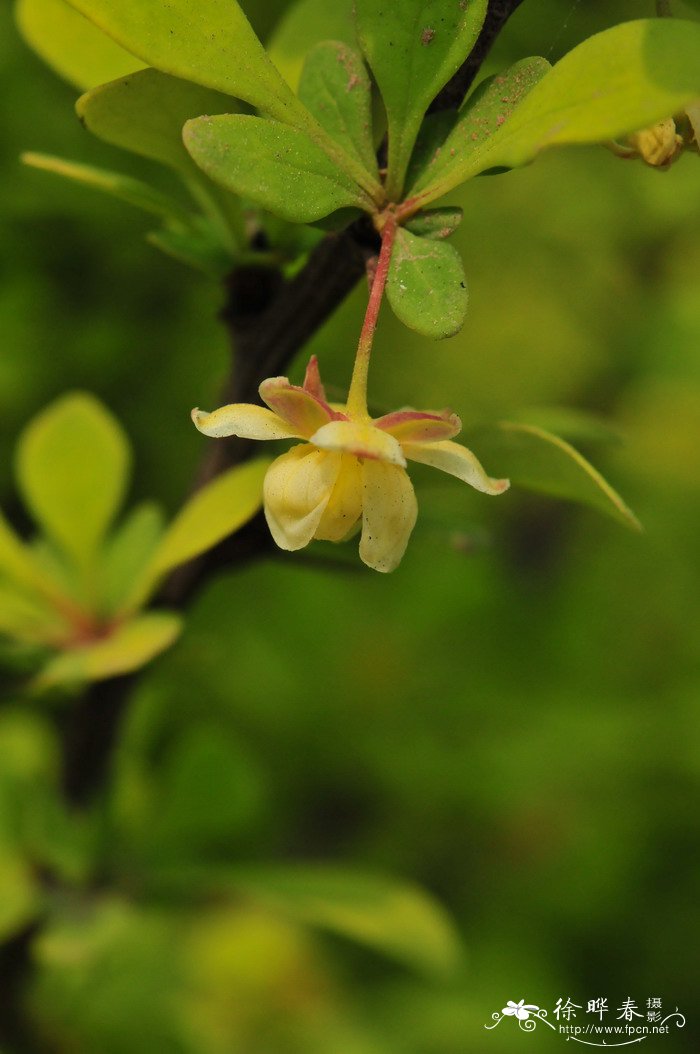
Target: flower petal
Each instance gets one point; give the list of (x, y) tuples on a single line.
[(418, 426), (302, 411), (345, 505), (296, 491), (389, 511), (458, 461), (312, 380), (244, 420), (362, 440)]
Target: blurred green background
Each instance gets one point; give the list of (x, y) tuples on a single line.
[(511, 719)]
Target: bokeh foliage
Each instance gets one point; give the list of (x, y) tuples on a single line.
[(510, 720)]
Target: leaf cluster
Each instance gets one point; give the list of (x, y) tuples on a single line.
[(310, 156), (74, 595)]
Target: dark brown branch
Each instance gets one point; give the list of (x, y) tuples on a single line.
[(269, 321)]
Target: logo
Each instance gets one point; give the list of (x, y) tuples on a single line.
[(599, 1025)]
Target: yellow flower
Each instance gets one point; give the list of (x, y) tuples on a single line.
[(658, 145), (662, 143), (350, 470)]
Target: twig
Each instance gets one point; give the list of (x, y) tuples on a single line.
[(269, 322)]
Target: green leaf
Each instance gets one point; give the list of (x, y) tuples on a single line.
[(129, 647), (202, 792), (336, 89), (128, 553), (397, 919), (570, 423), (413, 48), (108, 977), (214, 512), (71, 45), (540, 461), (436, 224), (484, 112), (58, 567), (196, 246), (211, 43), (278, 167), (29, 750), (145, 114), (304, 24), (73, 465), (614, 83), (24, 618), (20, 896), (132, 191), (426, 286), (17, 562), (433, 132)]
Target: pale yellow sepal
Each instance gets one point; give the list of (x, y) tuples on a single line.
[(244, 420), (456, 460), (362, 440)]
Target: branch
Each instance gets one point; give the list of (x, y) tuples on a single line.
[(269, 322)]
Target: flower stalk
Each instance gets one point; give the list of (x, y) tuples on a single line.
[(357, 395)]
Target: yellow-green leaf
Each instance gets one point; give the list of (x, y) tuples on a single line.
[(17, 561), (395, 918), (125, 188), (278, 167), (129, 647), (436, 224), (197, 246), (614, 83), (336, 89), (214, 512), (20, 896), (72, 466), (24, 618), (71, 45), (484, 113), (413, 48), (538, 460), (217, 510), (570, 423), (128, 553), (145, 113), (426, 287), (210, 42)]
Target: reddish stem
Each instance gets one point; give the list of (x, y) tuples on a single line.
[(357, 396)]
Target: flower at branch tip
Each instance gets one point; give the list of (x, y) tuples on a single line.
[(349, 471), (662, 143)]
